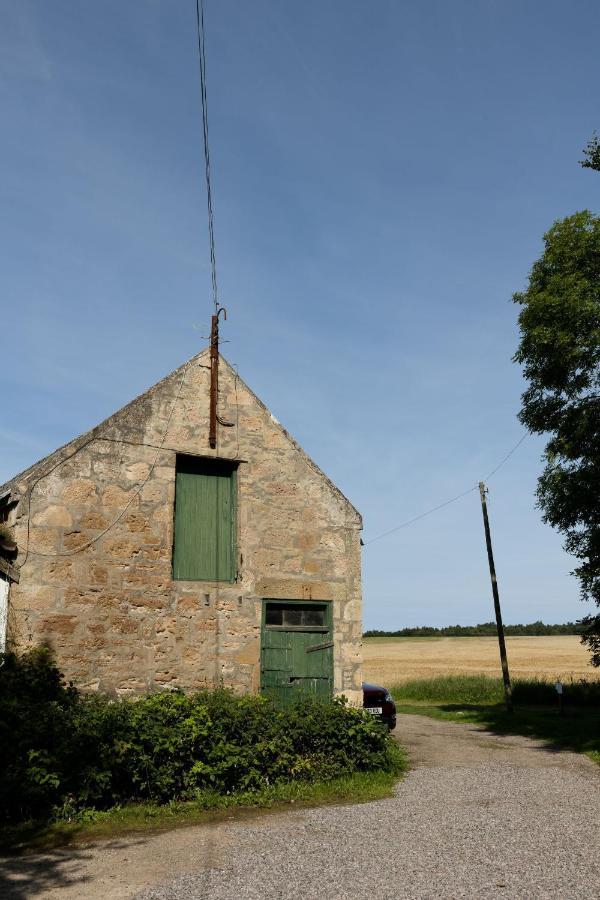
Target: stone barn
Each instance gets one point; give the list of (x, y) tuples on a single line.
[(148, 560)]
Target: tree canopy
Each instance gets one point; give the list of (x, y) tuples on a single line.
[(484, 629), (592, 155), (560, 353)]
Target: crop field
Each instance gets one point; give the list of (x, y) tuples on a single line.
[(393, 660)]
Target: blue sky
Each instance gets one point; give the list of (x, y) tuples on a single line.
[(383, 173)]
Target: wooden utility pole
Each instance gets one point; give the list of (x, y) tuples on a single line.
[(499, 625)]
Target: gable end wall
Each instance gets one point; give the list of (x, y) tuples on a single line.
[(112, 612)]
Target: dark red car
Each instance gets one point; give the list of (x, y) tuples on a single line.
[(379, 702)]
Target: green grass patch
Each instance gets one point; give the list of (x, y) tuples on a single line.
[(361, 787), (450, 689), (480, 689), (478, 699)]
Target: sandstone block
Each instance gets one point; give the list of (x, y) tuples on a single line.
[(153, 492), (292, 565), (44, 538), (189, 605), (137, 472), (58, 625), (34, 599), (123, 625), (98, 574), (165, 472), (94, 520), (335, 542), (120, 548), (79, 491), (58, 570), (116, 496), (54, 515), (73, 540)]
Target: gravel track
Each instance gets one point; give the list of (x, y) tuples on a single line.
[(479, 815)]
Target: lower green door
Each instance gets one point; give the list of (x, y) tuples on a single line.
[(296, 650)]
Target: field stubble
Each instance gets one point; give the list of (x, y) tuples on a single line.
[(393, 660)]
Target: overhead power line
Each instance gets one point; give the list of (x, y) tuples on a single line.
[(202, 64), (447, 502), (506, 458)]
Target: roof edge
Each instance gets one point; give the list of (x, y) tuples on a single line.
[(47, 463), (313, 465)]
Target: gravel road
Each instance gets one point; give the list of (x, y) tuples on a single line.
[(479, 815)]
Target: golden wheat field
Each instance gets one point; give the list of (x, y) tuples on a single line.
[(391, 660)]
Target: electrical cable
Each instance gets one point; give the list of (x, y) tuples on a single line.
[(506, 458), (447, 502), (202, 66)]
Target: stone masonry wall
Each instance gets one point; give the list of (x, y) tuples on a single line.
[(111, 610)]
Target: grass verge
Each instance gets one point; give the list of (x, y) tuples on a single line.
[(478, 700), (450, 689), (91, 825)]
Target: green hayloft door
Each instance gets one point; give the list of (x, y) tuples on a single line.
[(296, 650)]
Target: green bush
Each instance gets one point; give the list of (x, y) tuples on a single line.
[(62, 751), (538, 692)]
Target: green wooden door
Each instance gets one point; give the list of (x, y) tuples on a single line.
[(296, 650), (205, 518)]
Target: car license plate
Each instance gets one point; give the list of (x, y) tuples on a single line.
[(374, 710)]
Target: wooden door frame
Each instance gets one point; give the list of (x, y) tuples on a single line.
[(283, 601)]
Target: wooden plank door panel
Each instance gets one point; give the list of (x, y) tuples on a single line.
[(296, 663)]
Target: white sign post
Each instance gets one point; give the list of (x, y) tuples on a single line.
[(559, 690)]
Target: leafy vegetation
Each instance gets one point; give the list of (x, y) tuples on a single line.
[(560, 353), (450, 689), (592, 154), (484, 629), (484, 689), (208, 806), (63, 753)]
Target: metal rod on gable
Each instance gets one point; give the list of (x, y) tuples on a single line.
[(214, 375)]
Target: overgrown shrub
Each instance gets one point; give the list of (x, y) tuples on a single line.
[(538, 692), (62, 751)]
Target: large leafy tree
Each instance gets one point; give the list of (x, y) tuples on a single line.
[(560, 354)]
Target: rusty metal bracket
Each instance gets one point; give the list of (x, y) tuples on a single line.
[(323, 646)]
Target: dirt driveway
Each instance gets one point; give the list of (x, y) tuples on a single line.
[(479, 815)]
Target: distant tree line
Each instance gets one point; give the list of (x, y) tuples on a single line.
[(484, 629)]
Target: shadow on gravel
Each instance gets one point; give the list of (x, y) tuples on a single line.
[(574, 729), (33, 874)]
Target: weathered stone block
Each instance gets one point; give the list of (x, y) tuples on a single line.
[(137, 472), (94, 520), (114, 495), (79, 491), (54, 515), (59, 625), (74, 540)]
